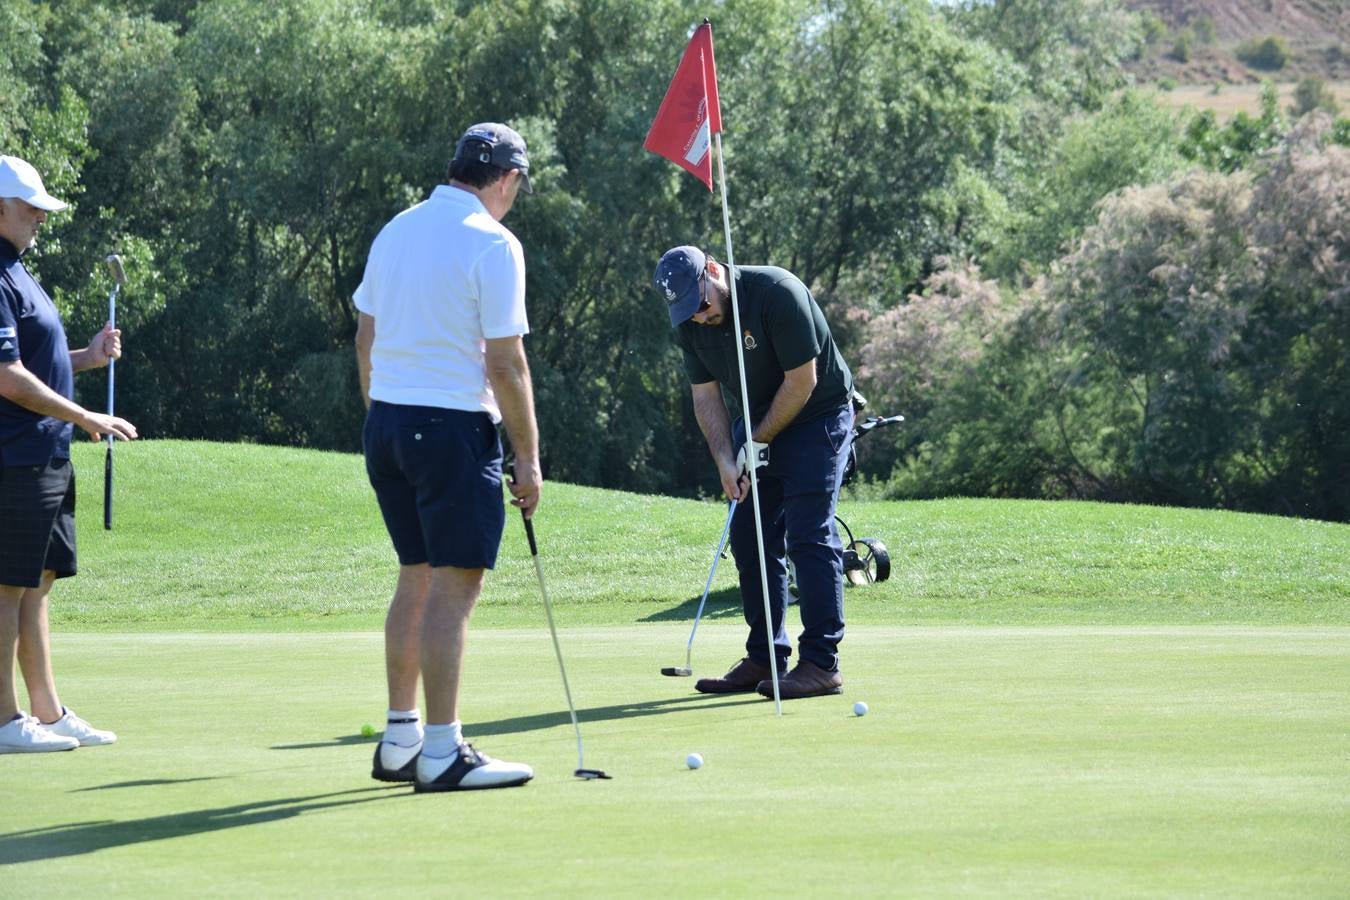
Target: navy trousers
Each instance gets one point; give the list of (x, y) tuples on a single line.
[(798, 491)]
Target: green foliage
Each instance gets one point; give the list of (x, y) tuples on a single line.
[(1190, 350), (1311, 94), (241, 157), (1340, 132), (1152, 29), (1203, 28), (1181, 47), (1269, 53), (1070, 49), (1130, 141), (1236, 145), (930, 110)]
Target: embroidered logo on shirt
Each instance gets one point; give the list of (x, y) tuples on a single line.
[(750, 341), (7, 345), (7, 332)]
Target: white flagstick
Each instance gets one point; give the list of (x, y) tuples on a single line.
[(745, 417)]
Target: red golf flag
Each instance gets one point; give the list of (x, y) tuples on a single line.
[(690, 113)]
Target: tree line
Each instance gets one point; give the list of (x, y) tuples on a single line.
[(1067, 288)]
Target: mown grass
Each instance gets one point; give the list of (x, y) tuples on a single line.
[(1011, 762), (237, 536), (1067, 699)]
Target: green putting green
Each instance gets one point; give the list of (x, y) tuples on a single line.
[(1068, 699), (1007, 761)]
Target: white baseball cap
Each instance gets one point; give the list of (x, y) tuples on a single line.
[(20, 180)]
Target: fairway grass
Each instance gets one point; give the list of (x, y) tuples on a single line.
[(215, 536), (1009, 761)]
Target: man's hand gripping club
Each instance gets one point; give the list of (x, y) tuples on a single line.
[(752, 453)]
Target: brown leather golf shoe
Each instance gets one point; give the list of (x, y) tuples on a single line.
[(805, 680), (743, 678)]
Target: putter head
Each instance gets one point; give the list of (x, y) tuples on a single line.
[(591, 774), (114, 263), (678, 671)]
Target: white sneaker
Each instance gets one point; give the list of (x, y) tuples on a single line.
[(72, 726), (26, 735), (467, 770)]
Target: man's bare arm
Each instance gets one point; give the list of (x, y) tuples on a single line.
[(365, 339), (791, 396), (22, 387), (508, 372), (715, 424)]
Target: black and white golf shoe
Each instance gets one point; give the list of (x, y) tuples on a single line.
[(468, 770), (394, 762)]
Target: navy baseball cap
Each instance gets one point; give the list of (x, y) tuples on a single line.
[(497, 145), (678, 277)]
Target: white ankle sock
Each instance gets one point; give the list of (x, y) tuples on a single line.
[(441, 741), (403, 727)]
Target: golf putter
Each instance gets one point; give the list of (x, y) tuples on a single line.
[(582, 771), (114, 263), (687, 669)]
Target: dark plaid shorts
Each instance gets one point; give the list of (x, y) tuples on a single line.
[(37, 522)]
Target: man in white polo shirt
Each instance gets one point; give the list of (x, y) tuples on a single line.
[(440, 349)]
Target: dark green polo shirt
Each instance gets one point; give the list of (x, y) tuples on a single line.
[(781, 329)]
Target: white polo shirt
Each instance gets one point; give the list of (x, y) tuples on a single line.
[(442, 277)]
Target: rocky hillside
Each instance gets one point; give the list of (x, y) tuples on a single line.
[(1198, 41)]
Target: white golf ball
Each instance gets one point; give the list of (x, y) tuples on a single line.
[(694, 760), (860, 708)]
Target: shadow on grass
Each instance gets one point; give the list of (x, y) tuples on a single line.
[(90, 837), (520, 724), (342, 740), (144, 782), (723, 604)]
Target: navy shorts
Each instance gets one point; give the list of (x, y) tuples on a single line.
[(37, 522), (437, 474)]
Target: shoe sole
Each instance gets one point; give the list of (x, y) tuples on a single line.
[(392, 776), (434, 788), (768, 695), (707, 689), (18, 750)]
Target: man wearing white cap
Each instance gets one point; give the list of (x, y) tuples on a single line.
[(37, 484)]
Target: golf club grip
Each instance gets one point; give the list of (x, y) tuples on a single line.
[(107, 488), (529, 533)]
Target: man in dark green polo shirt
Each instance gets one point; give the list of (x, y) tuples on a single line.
[(800, 392)]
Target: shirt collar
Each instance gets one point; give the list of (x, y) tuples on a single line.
[(458, 195)]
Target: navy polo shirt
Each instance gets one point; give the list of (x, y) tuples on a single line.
[(31, 333), (782, 328)]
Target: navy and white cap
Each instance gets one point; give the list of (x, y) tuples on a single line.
[(677, 277), (497, 145)]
